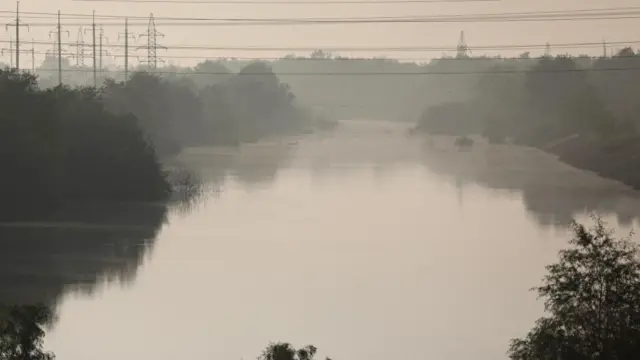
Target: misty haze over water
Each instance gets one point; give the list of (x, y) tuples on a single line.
[(366, 243), (378, 178)]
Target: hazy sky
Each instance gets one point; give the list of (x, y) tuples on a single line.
[(337, 35)]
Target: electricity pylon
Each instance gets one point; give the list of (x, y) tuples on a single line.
[(152, 45), (79, 45)]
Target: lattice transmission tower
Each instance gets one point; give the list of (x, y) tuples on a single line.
[(80, 46), (462, 48), (152, 46)]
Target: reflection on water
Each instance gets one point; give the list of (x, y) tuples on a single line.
[(88, 244), (553, 193), (253, 166), (366, 244)]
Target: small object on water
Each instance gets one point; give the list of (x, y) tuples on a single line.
[(464, 142)]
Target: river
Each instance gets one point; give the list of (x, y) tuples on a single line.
[(367, 244)]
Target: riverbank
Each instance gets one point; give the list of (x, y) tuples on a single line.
[(510, 166), (617, 159)]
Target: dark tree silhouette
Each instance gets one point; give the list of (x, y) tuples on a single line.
[(593, 296), (60, 145), (21, 333), (284, 351)]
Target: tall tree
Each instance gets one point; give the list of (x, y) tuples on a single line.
[(592, 295), (22, 335)]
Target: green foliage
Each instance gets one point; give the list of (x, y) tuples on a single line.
[(61, 145), (21, 333), (158, 105), (230, 109), (539, 101), (593, 297), (284, 351)]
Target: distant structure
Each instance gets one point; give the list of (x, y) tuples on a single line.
[(547, 50), (152, 45), (126, 36), (604, 48), (17, 23), (462, 49), (10, 51), (33, 56), (58, 49), (79, 45), (102, 52)]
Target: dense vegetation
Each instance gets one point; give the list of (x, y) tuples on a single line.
[(64, 144), (592, 295), (581, 109), (22, 333), (540, 101), (60, 145), (178, 111), (341, 87)]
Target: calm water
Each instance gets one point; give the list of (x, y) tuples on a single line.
[(368, 245)]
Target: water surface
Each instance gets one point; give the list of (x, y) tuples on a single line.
[(368, 245)]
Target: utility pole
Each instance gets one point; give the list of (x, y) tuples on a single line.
[(10, 50), (102, 52), (93, 47), (152, 44), (126, 35), (58, 33), (17, 25), (33, 56), (59, 50)]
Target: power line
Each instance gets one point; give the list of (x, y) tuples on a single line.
[(572, 45), (608, 11), (271, 2), (346, 59), (558, 15), (414, 73), (357, 22)]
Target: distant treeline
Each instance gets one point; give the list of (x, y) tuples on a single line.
[(582, 109), (176, 112), (63, 144), (341, 87), (552, 98)]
